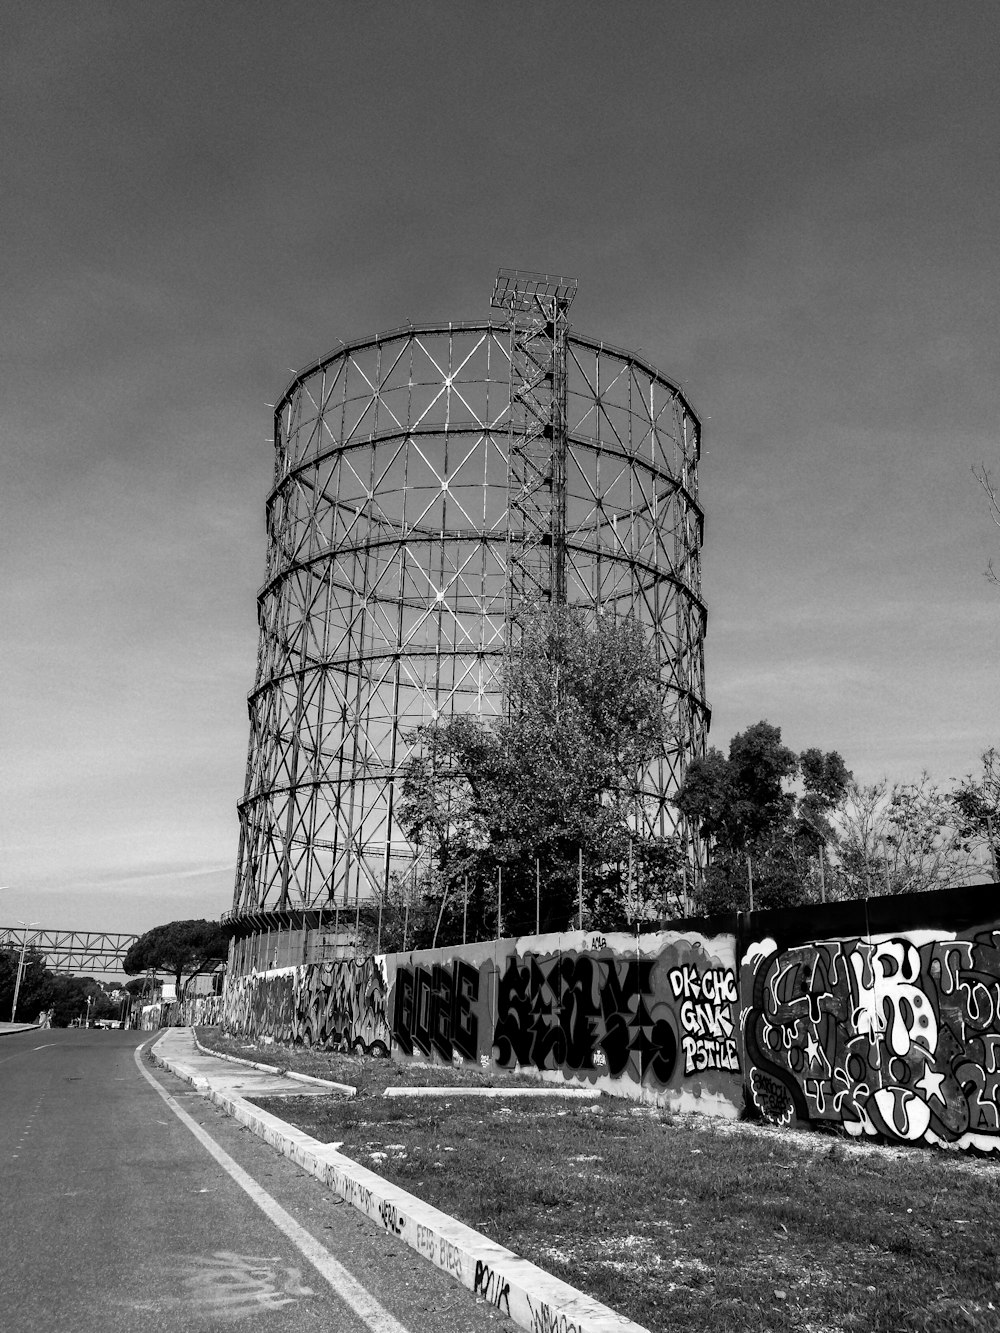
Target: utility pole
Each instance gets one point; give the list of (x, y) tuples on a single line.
[(28, 925)]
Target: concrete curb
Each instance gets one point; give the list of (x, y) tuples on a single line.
[(534, 1299), (20, 1027), (345, 1088)]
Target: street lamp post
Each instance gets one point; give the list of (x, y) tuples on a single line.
[(20, 966)]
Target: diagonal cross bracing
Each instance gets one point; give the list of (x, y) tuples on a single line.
[(71, 950)]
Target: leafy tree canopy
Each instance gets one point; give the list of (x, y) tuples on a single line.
[(758, 832), (179, 947), (36, 984), (69, 996), (489, 805)]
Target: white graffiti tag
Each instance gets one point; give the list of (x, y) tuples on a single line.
[(889, 1003), (230, 1286)]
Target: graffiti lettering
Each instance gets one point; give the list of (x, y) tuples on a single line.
[(450, 1258), (435, 1010), (491, 1285), (439, 1250), (546, 1320), (565, 1010), (772, 1097), (888, 1037), (706, 1016), (701, 1053), (392, 1219), (716, 985), (426, 1242), (894, 1036)]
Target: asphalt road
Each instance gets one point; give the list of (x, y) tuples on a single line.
[(113, 1216)]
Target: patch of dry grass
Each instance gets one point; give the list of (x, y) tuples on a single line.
[(685, 1223)]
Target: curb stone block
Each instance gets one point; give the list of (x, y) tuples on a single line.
[(345, 1088)]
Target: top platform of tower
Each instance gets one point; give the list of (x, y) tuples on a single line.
[(518, 290)]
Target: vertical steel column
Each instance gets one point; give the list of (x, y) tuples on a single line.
[(537, 306)]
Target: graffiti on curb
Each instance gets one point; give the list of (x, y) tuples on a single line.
[(546, 1320), (491, 1285), (392, 1219)]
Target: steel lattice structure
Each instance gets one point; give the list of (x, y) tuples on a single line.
[(72, 950), (537, 307), (421, 493)]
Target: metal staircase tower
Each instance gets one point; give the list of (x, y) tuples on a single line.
[(536, 306)]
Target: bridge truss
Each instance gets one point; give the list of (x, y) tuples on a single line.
[(71, 950)]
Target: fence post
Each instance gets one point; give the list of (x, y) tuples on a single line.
[(579, 887)]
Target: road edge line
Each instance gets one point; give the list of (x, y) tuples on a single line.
[(341, 1280)]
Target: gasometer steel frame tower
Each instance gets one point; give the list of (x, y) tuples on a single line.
[(429, 483)]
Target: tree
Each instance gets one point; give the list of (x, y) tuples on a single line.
[(825, 779), (179, 947), (36, 984), (493, 806), (644, 888), (993, 499), (760, 836), (977, 804), (899, 838), (68, 1000)]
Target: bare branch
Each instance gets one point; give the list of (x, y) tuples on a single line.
[(984, 479)]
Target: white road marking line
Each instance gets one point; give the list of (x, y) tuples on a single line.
[(346, 1286)]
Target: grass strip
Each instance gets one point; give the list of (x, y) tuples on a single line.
[(684, 1223)]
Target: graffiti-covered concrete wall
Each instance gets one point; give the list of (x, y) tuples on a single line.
[(323, 1004), (653, 1018), (198, 1011), (880, 1017)]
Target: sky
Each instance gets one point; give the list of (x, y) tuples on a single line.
[(791, 209)]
